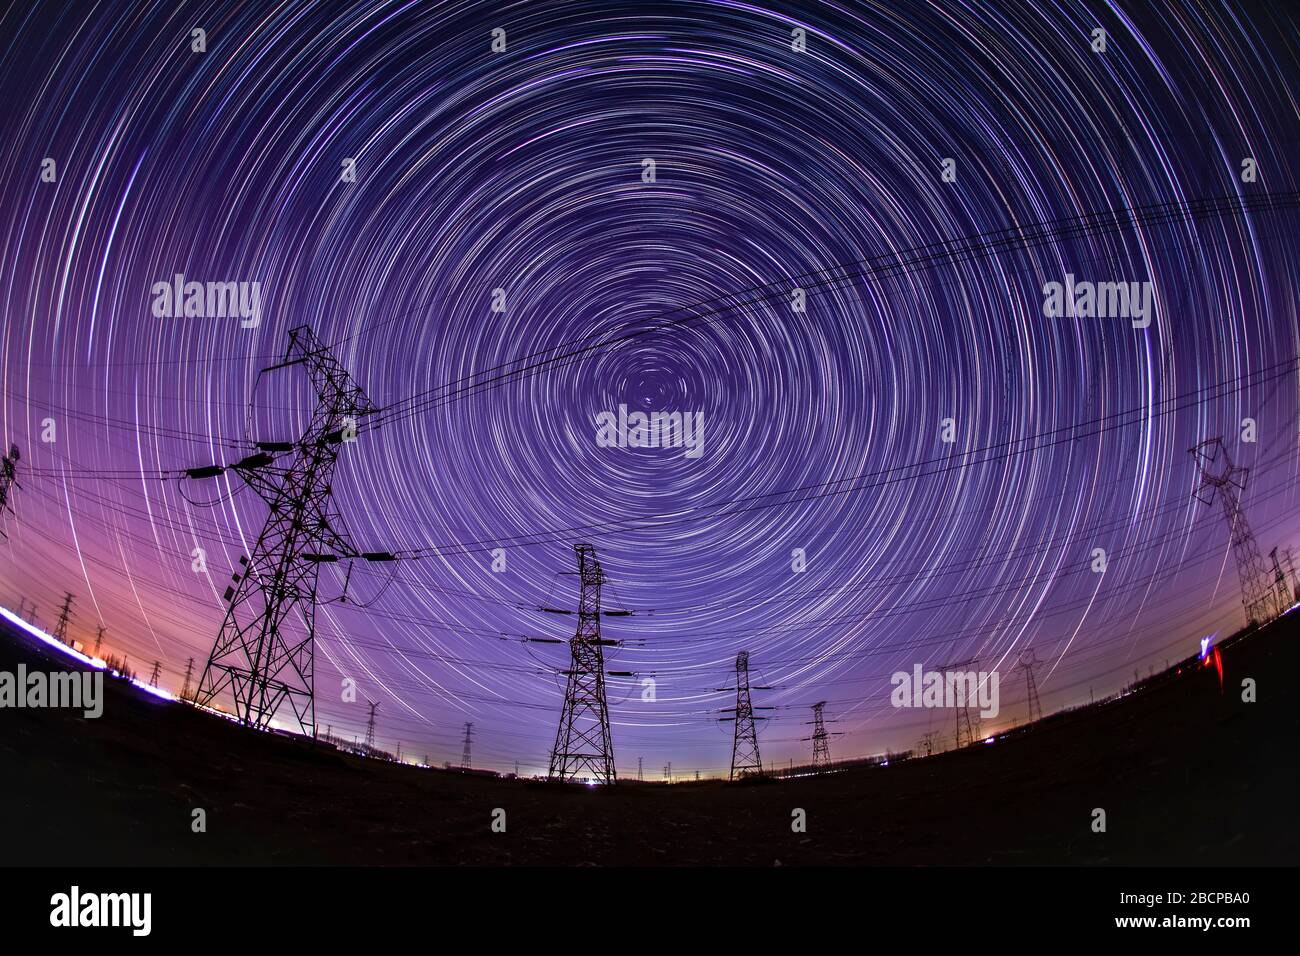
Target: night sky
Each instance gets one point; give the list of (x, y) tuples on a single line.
[(775, 169)]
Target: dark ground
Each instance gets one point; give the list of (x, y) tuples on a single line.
[(1187, 776)]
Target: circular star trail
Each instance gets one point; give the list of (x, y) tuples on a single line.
[(817, 226)]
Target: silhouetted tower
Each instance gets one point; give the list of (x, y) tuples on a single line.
[(65, 613), (744, 743), (639, 774), (99, 639), (1229, 483), (261, 657), (1027, 664), (464, 754), (370, 728), (8, 480), (583, 742), (155, 674), (1289, 560), (927, 742), (820, 739), (967, 723), (1284, 593), (189, 675)]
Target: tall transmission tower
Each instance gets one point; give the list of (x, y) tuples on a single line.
[(967, 725), (99, 638), (1027, 664), (8, 479), (745, 760), (189, 675), (258, 657), (1285, 596), (639, 773), (65, 613), (582, 741), (155, 674), (1221, 478), (370, 727), (820, 738), (464, 754), (927, 742)]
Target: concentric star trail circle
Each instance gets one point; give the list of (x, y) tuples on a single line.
[(525, 171)]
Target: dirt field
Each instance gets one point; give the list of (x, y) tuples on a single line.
[(1186, 774)]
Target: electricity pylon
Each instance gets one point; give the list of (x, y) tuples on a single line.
[(966, 724), (65, 613), (820, 738), (1285, 596), (464, 754), (8, 479), (189, 675), (99, 638), (260, 657), (370, 727), (156, 674), (927, 742), (582, 741), (1027, 664), (1228, 484), (745, 760)]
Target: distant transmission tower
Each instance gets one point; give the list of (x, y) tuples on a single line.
[(1228, 483), (744, 743), (370, 728), (99, 639), (65, 612), (189, 674), (820, 738), (582, 741), (464, 754), (639, 774), (1027, 664), (8, 479), (967, 725), (257, 656), (1285, 596), (927, 742), (156, 673)]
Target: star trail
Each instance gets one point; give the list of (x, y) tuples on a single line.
[(836, 258)]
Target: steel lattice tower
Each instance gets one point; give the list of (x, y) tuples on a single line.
[(370, 727), (99, 638), (65, 613), (820, 739), (155, 674), (8, 479), (582, 741), (745, 759), (189, 676), (966, 724), (1027, 664), (261, 657), (464, 754), (1257, 597)]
